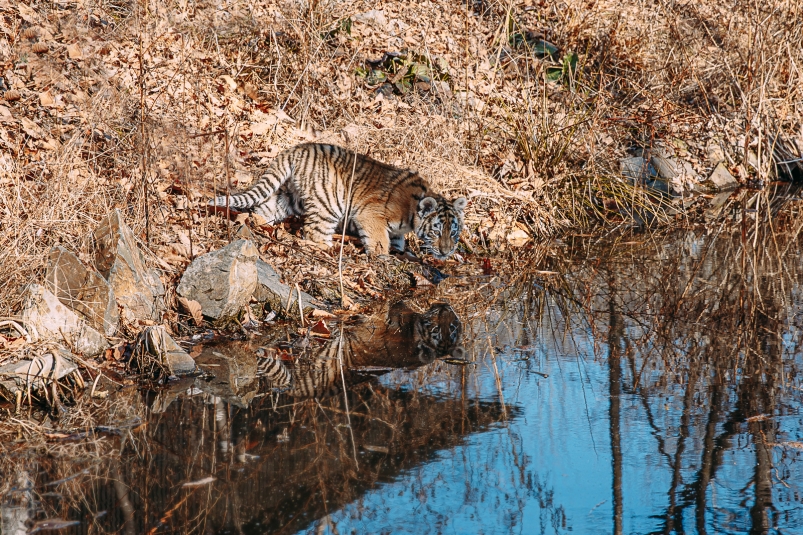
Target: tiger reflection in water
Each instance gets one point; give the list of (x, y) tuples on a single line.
[(405, 339)]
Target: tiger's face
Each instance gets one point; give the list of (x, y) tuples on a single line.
[(438, 333), (440, 223)]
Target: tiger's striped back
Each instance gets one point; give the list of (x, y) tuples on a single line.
[(329, 184)]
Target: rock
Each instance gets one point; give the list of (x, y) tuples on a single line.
[(722, 179), (375, 17), (222, 281), (43, 313), (677, 173), (39, 373), (661, 186), (667, 168), (155, 341), (244, 232), (270, 290), (138, 290), (82, 289), (636, 168), (714, 153)]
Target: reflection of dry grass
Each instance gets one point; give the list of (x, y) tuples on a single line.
[(723, 304), (41, 455)]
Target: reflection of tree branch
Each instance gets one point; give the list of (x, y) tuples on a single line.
[(673, 519), (694, 493), (615, 334), (762, 505), (651, 421), (698, 489), (122, 490)]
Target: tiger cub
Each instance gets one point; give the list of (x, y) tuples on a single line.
[(312, 180)]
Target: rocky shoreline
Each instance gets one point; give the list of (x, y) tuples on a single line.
[(84, 310)]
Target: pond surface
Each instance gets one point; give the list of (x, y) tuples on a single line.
[(644, 386)]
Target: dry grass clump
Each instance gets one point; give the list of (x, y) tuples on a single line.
[(152, 107)]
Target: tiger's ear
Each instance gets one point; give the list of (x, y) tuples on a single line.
[(459, 203), (427, 205)]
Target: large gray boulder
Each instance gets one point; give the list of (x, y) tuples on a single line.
[(82, 289), (138, 290), (222, 281), (47, 318), (277, 295)]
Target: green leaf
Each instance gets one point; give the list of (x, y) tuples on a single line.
[(543, 48), (553, 74), (343, 25), (570, 63), (421, 72), (516, 40), (376, 77), (403, 86), (567, 69)]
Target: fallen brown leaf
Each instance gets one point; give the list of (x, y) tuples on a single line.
[(320, 329), (194, 308), (517, 238), (346, 302), (74, 51), (46, 99), (30, 127), (419, 281)]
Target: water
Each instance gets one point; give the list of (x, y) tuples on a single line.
[(649, 386)]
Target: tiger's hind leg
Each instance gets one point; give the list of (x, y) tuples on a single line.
[(319, 228), (273, 210)]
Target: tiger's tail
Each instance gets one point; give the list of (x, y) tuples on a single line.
[(280, 169)]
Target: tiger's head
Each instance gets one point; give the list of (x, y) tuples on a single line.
[(437, 333), (440, 223)]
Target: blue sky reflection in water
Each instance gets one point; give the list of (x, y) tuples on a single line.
[(707, 429)]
